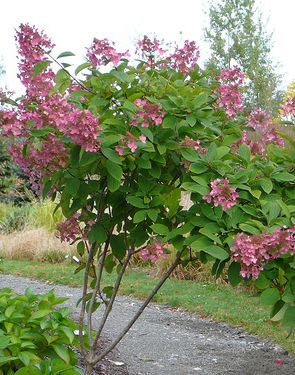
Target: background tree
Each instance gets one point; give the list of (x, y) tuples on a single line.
[(237, 35)]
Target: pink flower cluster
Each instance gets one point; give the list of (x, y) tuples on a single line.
[(40, 160), (264, 133), (148, 49), (253, 252), (194, 144), (259, 119), (229, 95), (222, 194), (69, 229), (102, 51), (81, 126), (148, 114), (185, 59), (153, 252), (129, 141), (289, 107), (39, 109), (32, 46)]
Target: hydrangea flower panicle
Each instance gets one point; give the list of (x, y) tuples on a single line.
[(253, 252), (229, 95), (69, 229), (153, 252), (222, 194), (185, 59), (148, 114), (102, 51)]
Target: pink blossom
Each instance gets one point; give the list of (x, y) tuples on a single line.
[(149, 49), (101, 52), (41, 160), (148, 114), (153, 252), (253, 252), (229, 95), (195, 144), (120, 150), (69, 229), (131, 141), (185, 59), (32, 46), (222, 194), (142, 138), (78, 124), (259, 119), (289, 107)]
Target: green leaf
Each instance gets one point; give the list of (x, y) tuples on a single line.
[(4, 342), (69, 333), (266, 185), (82, 67), (97, 234), (270, 296), (245, 152), (139, 216), (39, 314), (234, 273), (249, 229), (29, 370), (255, 193), (222, 151), (216, 251), (196, 188), (152, 214), (198, 168), (201, 243), (160, 229), (208, 233), (289, 317), (62, 352), (118, 246), (189, 154), (283, 177), (262, 282), (136, 202), (72, 186), (65, 54), (200, 100), (114, 170), (111, 155), (113, 184), (40, 66)]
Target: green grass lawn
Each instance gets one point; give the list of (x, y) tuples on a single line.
[(220, 302)]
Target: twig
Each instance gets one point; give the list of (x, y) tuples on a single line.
[(112, 299), (73, 78)]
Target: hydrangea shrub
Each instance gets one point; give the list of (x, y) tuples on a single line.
[(119, 146)]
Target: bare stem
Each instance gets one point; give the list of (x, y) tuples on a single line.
[(96, 289), (140, 311), (112, 299), (70, 75), (83, 303)]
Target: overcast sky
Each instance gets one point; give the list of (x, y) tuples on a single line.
[(73, 24)]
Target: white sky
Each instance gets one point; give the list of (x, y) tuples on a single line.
[(73, 24)]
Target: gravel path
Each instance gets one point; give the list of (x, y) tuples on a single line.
[(167, 342)]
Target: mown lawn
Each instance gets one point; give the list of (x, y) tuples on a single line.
[(220, 302)]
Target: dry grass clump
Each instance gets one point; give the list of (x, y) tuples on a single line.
[(34, 244)]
